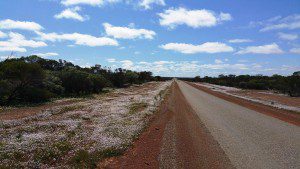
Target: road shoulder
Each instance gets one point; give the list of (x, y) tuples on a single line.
[(284, 115)]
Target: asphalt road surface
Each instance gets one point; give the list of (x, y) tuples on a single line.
[(248, 138)]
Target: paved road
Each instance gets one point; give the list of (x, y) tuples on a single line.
[(249, 139)]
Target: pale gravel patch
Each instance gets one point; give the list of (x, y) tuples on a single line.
[(98, 124), (226, 90)]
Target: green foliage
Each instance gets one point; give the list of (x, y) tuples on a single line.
[(53, 152), (22, 82), (284, 84), (85, 159), (137, 107), (33, 79), (75, 81)]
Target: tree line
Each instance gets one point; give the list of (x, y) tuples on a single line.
[(34, 79), (284, 84)]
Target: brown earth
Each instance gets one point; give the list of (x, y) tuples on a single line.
[(17, 113), (284, 115), (268, 96), (175, 139)]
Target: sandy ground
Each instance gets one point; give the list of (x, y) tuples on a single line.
[(62, 135), (10, 113)]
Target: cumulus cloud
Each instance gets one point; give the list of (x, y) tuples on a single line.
[(46, 54), (18, 42), (128, 33), (176, 68), (111, 60), (264, 49), (23, 25), (127, 64), (286, 36), (224, 66), (295, 50), (208, 47), (276, 23), (193, 18), (239, 40), (218, 61), (71, 13), (146, 4), (2, 34), (78, 39), (87, 2)]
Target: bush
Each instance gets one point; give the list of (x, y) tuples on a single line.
[(76, 82), (22, 82), (98, 82)]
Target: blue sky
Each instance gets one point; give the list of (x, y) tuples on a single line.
[(167, 37)]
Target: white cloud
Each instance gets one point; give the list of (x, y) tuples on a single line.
[(225, 66), (177, 68), (239, 40), (127, 64), (2, 34), (289, 22), (286, 36), (193, 18), (128, 33), (87, 2), (71, 13), (17, 43), (208, 47), (46, 54), (9, 48), (111, 60), (79, 39), (295, 50), (23, 25), (264, 49), (225, 17), (163, 62), (218, 61), (146, 4)]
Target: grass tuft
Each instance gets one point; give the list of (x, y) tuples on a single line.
[(85, 159), (137, 107)]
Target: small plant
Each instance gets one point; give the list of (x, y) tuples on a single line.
[(137, 107), (85, 159), (70, 108), (19, 136), (57, 150)]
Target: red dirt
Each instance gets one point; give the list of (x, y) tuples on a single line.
[(282, 99), (194, 145), (17, 113), (284, 115)]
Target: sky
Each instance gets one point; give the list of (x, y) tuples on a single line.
[(168, 37)]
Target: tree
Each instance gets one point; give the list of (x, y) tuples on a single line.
[(25, 82), (197, 79)]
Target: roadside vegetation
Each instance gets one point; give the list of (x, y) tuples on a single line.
[(32, 79), (81, 134), (284, 84)]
